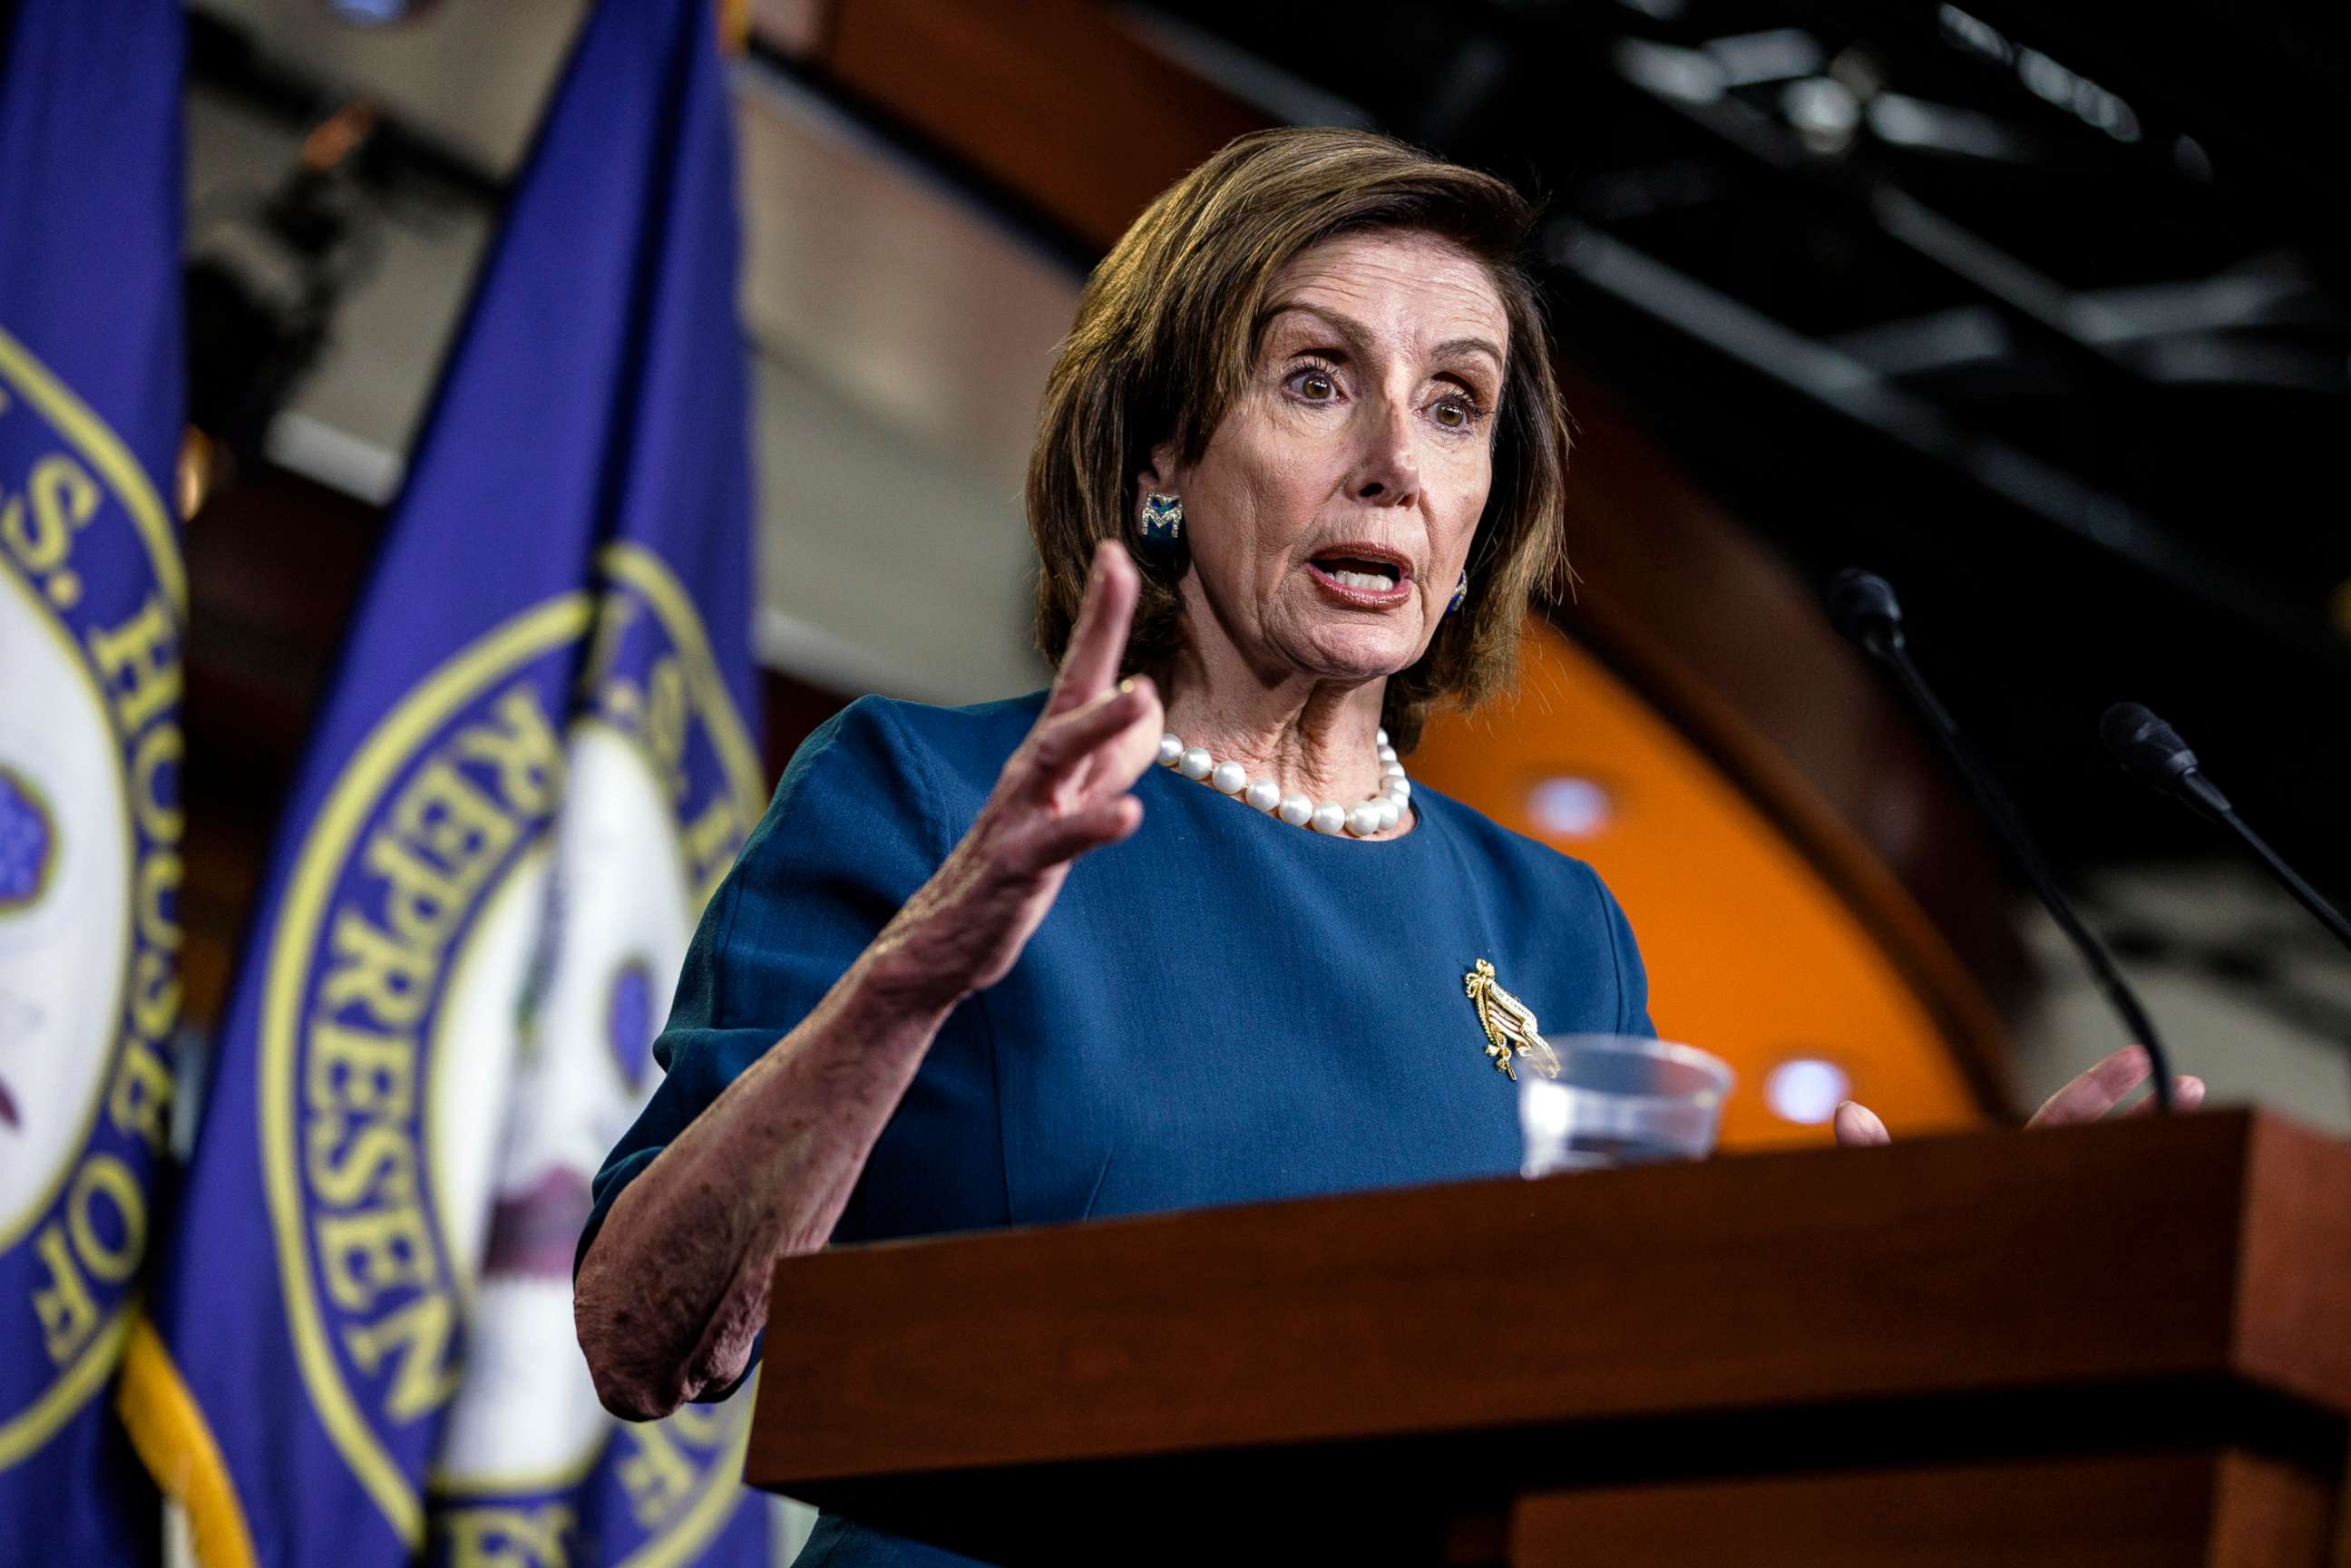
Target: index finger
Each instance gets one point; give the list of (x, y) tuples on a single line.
[(1099, 640), (2096, 1091)]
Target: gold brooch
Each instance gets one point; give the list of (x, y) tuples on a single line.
[(1509, 1025)]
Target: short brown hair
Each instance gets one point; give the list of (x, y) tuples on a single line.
[(1163, 342)]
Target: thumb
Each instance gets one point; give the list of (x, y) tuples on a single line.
[(1857, 1126)]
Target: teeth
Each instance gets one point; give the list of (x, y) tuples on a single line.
[(1377, 582)]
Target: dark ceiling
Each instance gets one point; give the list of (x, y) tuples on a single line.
[(2038, 311)]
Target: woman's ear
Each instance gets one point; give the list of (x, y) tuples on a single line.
[(1157, 474)]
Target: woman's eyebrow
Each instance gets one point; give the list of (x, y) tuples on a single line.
[(1453, 346), (1358, 337), (1350, 330)]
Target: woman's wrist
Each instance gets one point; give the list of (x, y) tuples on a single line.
[(948, 941), (910, 975)]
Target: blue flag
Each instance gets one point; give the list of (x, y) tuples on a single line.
[(91, 601), (533, 766)]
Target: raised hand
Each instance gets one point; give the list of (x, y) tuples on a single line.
[(2085, 1099), (675, 1288), (1064, 792)]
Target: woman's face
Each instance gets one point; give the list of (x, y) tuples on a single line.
[(1334, 506)]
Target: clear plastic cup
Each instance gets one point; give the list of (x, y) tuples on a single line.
[(1618, 1100)]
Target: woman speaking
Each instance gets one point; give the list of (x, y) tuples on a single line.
[(1297, 479), (1180, 930)]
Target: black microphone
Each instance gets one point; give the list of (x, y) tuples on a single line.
[(1862, 606), (2151, 751)]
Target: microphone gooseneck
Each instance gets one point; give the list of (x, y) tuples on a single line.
[(1862, 606), (2151, 751)]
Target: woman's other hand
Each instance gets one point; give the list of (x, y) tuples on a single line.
[(2085, 1099), (1064, 792)]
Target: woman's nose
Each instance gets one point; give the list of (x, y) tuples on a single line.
[(1388, 471)]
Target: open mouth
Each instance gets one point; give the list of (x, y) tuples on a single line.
[(1362, 574)]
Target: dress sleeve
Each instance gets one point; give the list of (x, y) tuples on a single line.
[(850, 834), (1631, 976)]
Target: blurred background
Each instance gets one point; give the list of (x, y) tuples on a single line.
[(2037, 311)]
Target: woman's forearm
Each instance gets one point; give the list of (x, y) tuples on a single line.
[(675, 1287)]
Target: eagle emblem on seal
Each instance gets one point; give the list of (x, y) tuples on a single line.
[(1510, 1025)]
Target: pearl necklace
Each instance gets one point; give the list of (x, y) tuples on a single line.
[(1377, 814)]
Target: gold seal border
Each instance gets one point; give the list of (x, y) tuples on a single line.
[(395, 741), (30, 1428), (650, 575), (720, 1494), (57, 403), (568, 617), (79, 424)]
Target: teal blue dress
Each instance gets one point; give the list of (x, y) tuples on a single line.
[(1223, 1008)]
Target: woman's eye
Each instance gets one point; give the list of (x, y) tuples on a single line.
[(1453, 414), (1316, 387)]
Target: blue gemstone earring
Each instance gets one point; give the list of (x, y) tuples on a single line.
[(1461, 593), (1160, 526)]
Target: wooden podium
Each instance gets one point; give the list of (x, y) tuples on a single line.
[(2128, 1342)]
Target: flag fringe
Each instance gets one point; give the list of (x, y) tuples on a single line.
[(176, 1445)]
